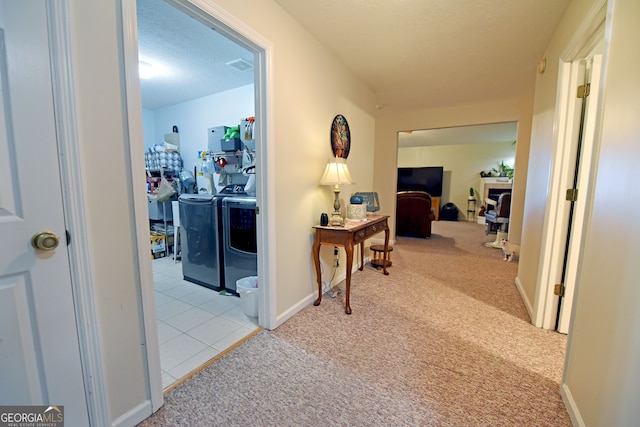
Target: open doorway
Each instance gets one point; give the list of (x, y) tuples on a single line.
[(474, 160), (195, 322)]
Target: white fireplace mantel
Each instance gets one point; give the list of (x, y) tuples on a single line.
[(492, 183)]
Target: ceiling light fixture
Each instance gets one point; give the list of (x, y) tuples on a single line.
[(146, 70)]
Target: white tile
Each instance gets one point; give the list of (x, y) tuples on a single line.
[(163, 284), (178, 350), (167, 379), (221, 304), (162, 299), (199, 297), (166, 332), (213, 330), (184, 288), (237, 315), (173, 272), (253, 323), (170, 309), (194, 362), (166, 268), (233, 338), (209, 334), (190, 319)]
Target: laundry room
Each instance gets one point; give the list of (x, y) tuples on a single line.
[(198, 114)]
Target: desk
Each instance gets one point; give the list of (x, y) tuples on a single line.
[(351, 234)]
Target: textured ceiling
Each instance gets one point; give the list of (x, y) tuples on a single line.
[(428, 53), (191, 56), (412, 53)]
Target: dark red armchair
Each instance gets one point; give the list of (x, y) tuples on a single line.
[(414, 214)]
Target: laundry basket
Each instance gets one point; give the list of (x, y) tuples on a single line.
[(247, 288)]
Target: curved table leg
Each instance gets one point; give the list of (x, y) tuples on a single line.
[(316, 261), (386, 252), (349, 250)]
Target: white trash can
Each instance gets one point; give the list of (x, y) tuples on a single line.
[(247, 288)]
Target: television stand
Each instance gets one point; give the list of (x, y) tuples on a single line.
[(435, 204)]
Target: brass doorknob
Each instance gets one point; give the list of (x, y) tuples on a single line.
[(45, 240)]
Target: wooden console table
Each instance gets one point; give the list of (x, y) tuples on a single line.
[(351, 234)]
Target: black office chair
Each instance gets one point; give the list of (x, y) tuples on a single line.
[(498, 219)]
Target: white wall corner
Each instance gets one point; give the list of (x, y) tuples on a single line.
[(134, 416), (525, 300), (570, 404)]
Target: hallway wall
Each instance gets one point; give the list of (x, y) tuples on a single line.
[(390, 121), (602, 373), (307, 94)]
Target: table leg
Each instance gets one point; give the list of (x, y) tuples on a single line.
[(316, 261), (386, 247), (349, 250), (361, 256)]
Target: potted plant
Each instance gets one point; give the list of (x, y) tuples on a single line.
[(472, 193), (504, 171)]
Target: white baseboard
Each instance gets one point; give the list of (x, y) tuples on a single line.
[(570, 404), (134, 416), (294, 309), (525, 300), (312, 296)]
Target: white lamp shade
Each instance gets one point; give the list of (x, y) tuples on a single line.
[(336, 173)]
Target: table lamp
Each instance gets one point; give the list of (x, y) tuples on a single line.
[(336, 173)]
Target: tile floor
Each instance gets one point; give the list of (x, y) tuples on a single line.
[(194, 323)]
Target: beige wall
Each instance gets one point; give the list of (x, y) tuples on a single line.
[(462, 164), (602, 373), (309, 88), (541, 155), (102, 135), (391, 120)]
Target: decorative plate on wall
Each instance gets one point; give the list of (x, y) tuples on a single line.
[(340, 137)]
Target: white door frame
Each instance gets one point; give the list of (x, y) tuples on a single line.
[(236, 30), (587, 37), (71, 173), (585, 186)]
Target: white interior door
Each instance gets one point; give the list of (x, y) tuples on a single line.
[(584, 167), (39, 349)]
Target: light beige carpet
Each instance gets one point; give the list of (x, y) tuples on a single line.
[(444, 340)]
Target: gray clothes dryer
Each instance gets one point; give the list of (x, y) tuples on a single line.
[(239, 239), (201, 240)]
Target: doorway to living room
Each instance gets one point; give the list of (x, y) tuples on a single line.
[(474, 161)]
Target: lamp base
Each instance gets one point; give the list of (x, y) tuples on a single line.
[(336, 220)]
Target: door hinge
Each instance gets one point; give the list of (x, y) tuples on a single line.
[(572, 195), (558, 289), (584, 90), (68, 236), (257, 210)]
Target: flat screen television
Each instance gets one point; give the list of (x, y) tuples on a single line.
[(427, 179)]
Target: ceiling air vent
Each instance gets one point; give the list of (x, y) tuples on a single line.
[(240, 64)]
